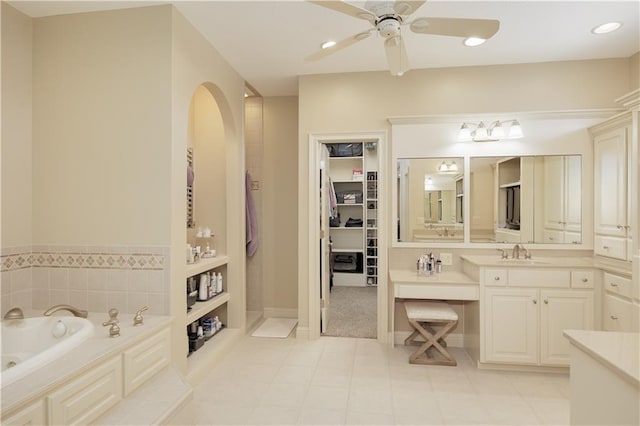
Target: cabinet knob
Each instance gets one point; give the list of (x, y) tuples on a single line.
[(605, 247), (614, 284), (535, 302), (613, 317), (496, 278), (546, 301), (550, 238), (619, 226), (584, 280)]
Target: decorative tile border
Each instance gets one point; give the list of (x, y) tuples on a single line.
[(52, 259)]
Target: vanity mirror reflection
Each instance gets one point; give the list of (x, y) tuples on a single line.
[(528, 199), (515, 199), (430, 200)]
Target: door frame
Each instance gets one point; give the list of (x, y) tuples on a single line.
[(313, 200)]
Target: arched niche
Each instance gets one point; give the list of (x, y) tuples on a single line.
[(210, 128)]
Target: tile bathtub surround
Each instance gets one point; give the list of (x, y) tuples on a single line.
[(94, 278), (336, 381)]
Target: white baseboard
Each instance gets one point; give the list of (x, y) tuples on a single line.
[(280, 313), (454, 340)]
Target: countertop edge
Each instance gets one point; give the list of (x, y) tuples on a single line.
[(578, 341)]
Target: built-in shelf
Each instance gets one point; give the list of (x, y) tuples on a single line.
[(206, 264), (199, 309), (350, 204), (334, 228), (510, 184)]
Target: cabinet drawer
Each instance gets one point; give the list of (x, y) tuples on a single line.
[(496, 277), (582, 279), (617, 314), (144, 360), (618, 285), (553, 236), (34, 414), (528, 277), (615, 247), (84, 399)]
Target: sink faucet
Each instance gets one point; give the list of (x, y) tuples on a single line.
[(516, 252), (75, 311), (503, 254), (527, 253)]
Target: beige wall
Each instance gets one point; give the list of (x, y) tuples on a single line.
[(363, 101), (280, 186), (102, 128), (634, 74), (16, 128)]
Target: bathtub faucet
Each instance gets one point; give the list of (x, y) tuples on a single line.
[(75, 311), (14, 313)]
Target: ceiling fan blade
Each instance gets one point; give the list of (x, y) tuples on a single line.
[(347, 9), (396, 55), (322, 53), (457, 27), (405, 8)]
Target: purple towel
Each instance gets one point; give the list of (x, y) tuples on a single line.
[(251, 219)]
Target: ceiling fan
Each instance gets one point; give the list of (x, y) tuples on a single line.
[(387, 19)]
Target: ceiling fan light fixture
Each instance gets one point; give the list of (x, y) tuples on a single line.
[(473, 41), (606, 28), (328, 44)]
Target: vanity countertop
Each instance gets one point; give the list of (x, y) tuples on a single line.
[(537, 262), (618, 351)]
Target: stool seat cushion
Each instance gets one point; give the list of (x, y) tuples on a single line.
[(429, 310)]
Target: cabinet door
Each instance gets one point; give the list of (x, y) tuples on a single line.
[(610, 178), (554, 193), (34, 414), (511, 325), (618, 314), (559, 311), (573, 197)]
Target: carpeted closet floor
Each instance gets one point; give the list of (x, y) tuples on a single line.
[(353, 312)]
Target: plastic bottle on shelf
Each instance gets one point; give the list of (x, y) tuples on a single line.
[(219, 283)]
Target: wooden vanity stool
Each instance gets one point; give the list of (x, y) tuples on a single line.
[(421, 314)]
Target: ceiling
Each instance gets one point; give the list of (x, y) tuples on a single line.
[(266, 41)]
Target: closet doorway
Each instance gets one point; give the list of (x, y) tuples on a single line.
[(350, 262)]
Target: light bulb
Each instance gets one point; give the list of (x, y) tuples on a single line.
[(515, 131)]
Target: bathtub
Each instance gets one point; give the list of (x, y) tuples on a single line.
[(33, 342)]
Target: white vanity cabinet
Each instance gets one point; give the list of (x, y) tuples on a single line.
[(621, 310), (612, 212), (526, 310)]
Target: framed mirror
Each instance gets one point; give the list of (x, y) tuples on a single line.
[(526, 199), (430, 200)]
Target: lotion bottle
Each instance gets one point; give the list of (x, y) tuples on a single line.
[(219, 283)]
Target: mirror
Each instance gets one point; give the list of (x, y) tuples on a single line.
[(430, 199), (536, 199)]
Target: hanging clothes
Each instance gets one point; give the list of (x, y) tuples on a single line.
[(251, 219)]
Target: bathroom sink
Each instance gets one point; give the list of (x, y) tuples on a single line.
[(523, 262)]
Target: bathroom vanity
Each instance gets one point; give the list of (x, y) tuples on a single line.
[(524, 307)]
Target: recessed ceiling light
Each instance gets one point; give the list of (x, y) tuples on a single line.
[(606, 28), (328, 44), (473, 41)]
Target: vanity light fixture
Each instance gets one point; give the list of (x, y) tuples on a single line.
[(428, 183), (445, 167), (479, 132)]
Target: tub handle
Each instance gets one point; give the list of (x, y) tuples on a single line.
[(138, 320), (114, 330)]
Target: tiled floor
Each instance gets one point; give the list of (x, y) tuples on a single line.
[(336, 381)]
